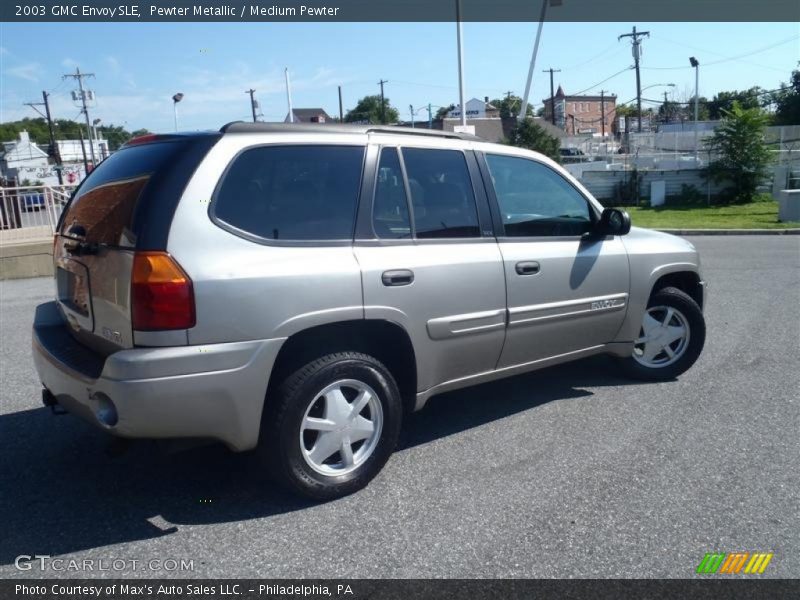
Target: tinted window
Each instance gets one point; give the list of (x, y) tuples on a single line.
[(292, 192), (535, 200), (441, 193), (390, 210), (104, 205)]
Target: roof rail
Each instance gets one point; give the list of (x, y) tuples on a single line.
[(247, 127)]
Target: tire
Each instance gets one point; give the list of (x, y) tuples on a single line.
[(306, 418), (649, 365)]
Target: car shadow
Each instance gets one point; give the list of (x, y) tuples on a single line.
[(62, 492)]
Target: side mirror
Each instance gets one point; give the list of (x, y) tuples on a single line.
[(614, 221)]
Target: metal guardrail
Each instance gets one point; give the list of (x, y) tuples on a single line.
[(30, 213)]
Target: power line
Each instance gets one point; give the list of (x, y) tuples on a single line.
[(601, 82), (731, 58), (80, 77)]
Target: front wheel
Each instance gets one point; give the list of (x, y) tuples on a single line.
[(330, 427), (671, 337)]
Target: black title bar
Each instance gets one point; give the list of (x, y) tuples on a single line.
[(400, 10)]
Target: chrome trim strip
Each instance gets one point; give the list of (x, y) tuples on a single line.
[(456, 325), (522, 315)]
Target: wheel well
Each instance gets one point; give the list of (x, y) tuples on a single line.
[(686, 281), (386, 341)]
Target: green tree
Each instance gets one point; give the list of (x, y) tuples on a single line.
[(742, 157), (443, 110), (63, 129), (369, 109), (787, 102), (530, 135), (510, 105), (723, 102)]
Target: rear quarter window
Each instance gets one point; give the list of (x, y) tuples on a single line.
[(104, 206), (294, 193)]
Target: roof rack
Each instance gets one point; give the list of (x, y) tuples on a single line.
[(247, 127)]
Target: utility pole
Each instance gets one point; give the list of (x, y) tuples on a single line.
[(460, 65), (383, 102), (341, 111), (53, 150), (83, 151), (552, 94), (603, 113), (411, 109), (289, 95), (251, 91), (430, 116), (637, 53), (80, 76)]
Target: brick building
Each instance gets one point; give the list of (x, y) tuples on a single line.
[(582, 114)]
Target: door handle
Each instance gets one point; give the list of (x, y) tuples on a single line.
[(398, 277), (528, 267)]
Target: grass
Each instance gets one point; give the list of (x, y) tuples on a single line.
[(757, 215)]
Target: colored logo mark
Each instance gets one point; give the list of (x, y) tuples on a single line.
[(734, 563)]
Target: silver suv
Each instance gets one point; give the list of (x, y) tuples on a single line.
[(296, 289)]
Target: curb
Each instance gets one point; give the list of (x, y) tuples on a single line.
[(793, 231)]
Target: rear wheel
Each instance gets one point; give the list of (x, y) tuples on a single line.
[(671, 337), (330, 427)]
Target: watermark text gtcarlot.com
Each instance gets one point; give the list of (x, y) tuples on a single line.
[(44, 562)]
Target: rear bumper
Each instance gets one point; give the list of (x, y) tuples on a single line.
[(213, 391)]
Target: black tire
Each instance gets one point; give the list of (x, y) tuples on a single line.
[(286, 407), (680, 301)]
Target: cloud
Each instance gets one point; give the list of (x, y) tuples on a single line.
[(69, 63), (4, 51), (28, 72)]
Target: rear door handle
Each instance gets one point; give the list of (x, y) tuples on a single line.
[(528, 267), (398, 277)]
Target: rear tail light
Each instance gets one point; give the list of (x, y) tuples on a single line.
[(161, 293)]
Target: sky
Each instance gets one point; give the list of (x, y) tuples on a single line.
[(139, 66)]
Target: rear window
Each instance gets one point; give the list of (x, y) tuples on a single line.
[(292, 192), (104, 205)]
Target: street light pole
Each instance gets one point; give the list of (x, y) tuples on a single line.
[(696, 64), (523, 110), (175, 99)]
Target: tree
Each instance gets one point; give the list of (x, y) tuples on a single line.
[(723, 101), (369, 109), (443, 111), (742, 157), (64, 129), (529, 134), (787, 102), (509, 106)]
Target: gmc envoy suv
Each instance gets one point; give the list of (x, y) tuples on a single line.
[(296, 289)]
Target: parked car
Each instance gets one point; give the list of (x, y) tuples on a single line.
[(571, 152), (297, 289), (33, 202)]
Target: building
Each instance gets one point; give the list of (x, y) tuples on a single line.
[(308, 115), (23, 160), (582, 114), (476, 109)]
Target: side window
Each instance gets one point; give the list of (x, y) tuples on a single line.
[(441, 194), (292, 192), (535, 200), (390, 218)]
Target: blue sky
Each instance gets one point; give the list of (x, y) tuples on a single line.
[(138, 67)]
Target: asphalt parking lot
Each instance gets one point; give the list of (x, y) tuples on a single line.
[(571, 472)]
